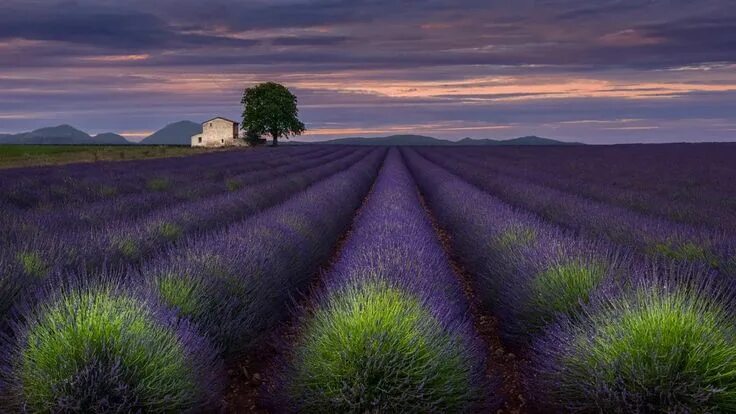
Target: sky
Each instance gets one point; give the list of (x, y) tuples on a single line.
[(594, 71)]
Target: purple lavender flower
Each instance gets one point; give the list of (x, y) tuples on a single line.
[(389, 330), (96, 343)]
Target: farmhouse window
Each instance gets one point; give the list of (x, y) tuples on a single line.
[(200, 140)]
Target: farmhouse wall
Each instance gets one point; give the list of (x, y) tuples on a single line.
[(217, 132)]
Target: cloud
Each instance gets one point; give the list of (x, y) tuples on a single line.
[(601, 9), (309, 41), (103, 27), (374, 65), (345, 34)]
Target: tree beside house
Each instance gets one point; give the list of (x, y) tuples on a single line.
[(270, 109)]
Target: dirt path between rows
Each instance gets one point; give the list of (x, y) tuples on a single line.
[(250, 377), (499, 362)]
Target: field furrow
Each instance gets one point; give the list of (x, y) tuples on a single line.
[(134, 205), (48, 187), (640, 178), (321, 279), (647, 235), (396, 315)]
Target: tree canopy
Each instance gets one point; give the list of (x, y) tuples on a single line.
[(271, 109)]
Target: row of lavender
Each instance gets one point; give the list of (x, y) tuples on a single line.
[(666, 181), (131, 241), (47, 187), (603, 329), (130, 193), (124, 240), (133, 205), (388, 330), (25, 225), (153, 338), (647, 235)]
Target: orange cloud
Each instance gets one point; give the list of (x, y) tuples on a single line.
[(187, 84), (517, 88), (136, 134), (118, 58)]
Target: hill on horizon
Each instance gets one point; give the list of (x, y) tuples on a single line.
[(177, 133), (63, 135), (423, 140), (180, 133)]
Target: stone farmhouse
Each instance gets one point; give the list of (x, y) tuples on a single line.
[(218, 132)]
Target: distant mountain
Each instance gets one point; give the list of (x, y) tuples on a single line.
[(390, 140), (62, 135), (528, 140), (7, 139), (178, 133), (110, 138), (400, 140), (534, 140), (479, 142)]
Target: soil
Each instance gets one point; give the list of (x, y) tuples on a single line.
[(250, 377), (247, 378), (499, 361)]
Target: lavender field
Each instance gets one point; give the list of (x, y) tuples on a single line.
[(347, 279)]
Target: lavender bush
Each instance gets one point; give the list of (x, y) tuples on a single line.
[(56, 186), (639, 177), (96, 344), (123, 285), (608, 333), (667, 345), (130, 241), (648, 235), (235, 283), (11, 282), (75, 217), (389, 331), (121, 350), (527, 271)]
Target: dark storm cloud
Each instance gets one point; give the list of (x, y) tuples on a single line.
[(602, 9), (714, 36), (381, 33), (103, 27), (681, 42)]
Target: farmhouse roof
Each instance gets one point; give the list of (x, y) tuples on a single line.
[(219, 117)]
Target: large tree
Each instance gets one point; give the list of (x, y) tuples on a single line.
[(270, 109)]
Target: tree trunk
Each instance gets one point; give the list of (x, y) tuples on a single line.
[(275, 140)]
